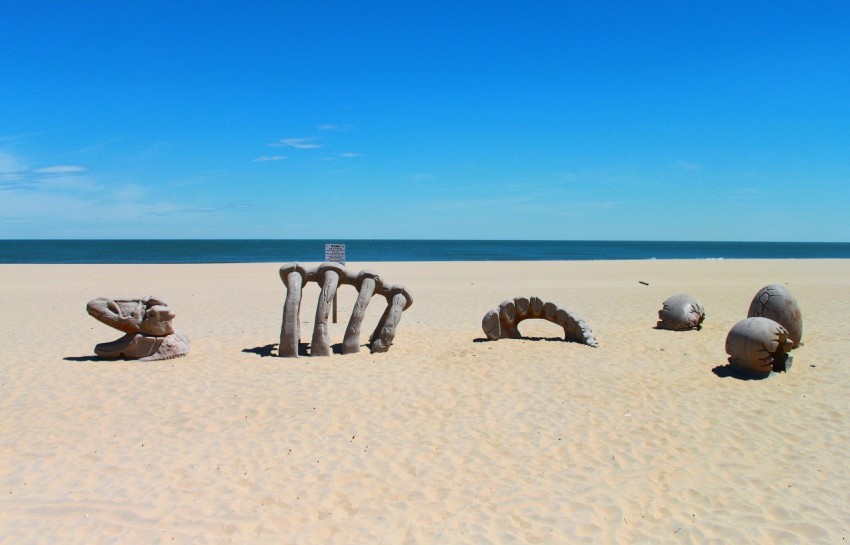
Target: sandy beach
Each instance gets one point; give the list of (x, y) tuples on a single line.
[(447, 438)]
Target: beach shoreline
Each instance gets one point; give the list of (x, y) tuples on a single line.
[(445, 438)]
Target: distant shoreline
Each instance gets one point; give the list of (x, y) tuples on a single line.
[(161, 251)]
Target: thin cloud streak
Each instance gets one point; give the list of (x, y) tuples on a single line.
[(297, 143), (421, 176), (332, 128), (181, 210), (61, 169), (96, 146), (21, 136), (16, 175), (526, 204), (689, 166), (341, 156)]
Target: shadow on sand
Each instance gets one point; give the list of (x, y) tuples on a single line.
[(83, 358), (728, 371), (547, 339), (270, 350)]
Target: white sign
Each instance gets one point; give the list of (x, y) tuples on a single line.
[(335, 253)]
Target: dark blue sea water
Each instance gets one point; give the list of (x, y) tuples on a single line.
[(279, 251)]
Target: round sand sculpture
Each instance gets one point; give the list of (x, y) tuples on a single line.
[(757, 346), (502, 321), (681, 312), (330, 276), (777, 303)]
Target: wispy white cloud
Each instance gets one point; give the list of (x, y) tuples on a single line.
[(421, 176), (446, 205), (15, 174), (61, 169), (297, 143), (171, 210), (348, 155), (333, 128), (203, 178), (688, 165), (265, 158), (21, 136), (744, 192), (49, 208), (96, 146), (10, 164), (526, 206), (53, 200), (129, 193), (9, 182)]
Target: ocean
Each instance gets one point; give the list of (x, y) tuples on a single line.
[(281, 251)]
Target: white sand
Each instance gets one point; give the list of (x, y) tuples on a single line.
[(442, 439)]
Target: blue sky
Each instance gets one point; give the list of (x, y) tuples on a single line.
[(658, 120)]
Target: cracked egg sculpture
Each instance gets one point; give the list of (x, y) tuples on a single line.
[(681, 312), (757, 346), (777, 303), (146, 322)]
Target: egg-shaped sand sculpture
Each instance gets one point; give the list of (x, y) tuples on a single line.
[(757, 346), (681, 312), (502, 321), (777, 303)]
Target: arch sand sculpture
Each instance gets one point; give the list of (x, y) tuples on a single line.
[(147, 323), (330, 276), (502, 321)]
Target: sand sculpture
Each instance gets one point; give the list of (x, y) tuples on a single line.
[(330, 276), (777, 303), (502, 322), (147, 323), (758, 346), (681, 312)]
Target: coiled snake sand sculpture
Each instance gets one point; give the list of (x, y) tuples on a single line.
[(147, 323)]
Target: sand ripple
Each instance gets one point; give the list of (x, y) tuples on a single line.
[(444, 439)]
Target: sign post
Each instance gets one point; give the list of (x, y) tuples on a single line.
[(335, 253)]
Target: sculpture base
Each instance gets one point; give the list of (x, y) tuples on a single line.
[(783, 367), (136, 346)]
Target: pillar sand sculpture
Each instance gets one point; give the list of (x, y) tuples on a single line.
[(147, 323), (681, 312), (330, 276), (502, 322)]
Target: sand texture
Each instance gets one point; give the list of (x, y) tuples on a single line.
[(447, 438)]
